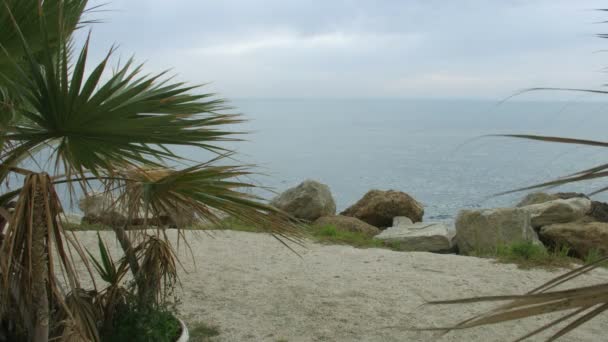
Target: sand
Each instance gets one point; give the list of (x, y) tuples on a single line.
[(254, 289)]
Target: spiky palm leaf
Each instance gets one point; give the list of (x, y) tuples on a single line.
[(584, 303)]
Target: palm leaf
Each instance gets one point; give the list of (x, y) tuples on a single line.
[(97, 125)]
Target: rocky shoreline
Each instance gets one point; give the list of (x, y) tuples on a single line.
[(560, 220)]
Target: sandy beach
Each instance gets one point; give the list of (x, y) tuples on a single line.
[(252, 288)]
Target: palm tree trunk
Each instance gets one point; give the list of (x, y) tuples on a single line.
[(39, 274), (127, 248)]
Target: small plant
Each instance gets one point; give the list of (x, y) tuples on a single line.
[(594, 255), (329, 231), (523, 250)]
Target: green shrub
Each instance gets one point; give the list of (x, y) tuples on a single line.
[(523, 250)]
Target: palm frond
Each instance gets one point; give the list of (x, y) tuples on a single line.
[(97, 124), (158, 272), (587, 302), (207, 192)]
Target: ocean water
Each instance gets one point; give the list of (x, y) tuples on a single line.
[(438, 151)]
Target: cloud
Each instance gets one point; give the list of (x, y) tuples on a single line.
[(358, 48), (279, 40)]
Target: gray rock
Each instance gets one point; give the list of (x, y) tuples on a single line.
[(421, 236), (95, 204), (308, 201), (484, 230), (347, 224), (402, 221), (378, 208), (581, 237), (558, 211)]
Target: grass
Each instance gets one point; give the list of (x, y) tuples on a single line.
[(528, 255), (202, 332), (593, 256), (331, 235)]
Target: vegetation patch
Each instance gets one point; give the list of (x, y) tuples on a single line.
[(133, 323), (595, 255), (528, 255), (331, 235), (202, 332), (327, 234)]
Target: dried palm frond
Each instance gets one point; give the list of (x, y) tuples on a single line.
[(34, 244), (158, 269), (583, 302), (79, 322)]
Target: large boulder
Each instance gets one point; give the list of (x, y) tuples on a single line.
[(599, 211), (347, 224), (421, 236), (536, 198), (307, 201), (558, 211), (581, 237), (378, 208), (485, 230)]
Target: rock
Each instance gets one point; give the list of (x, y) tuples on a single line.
[(580, 237), (71, 218), (536, 198), (378, 208), (558, 211), (401, 221), (421, 236), (569, 195), (542, 197), (308, 201), (347, 224), (101, 208), (484, 230), (599, 211)]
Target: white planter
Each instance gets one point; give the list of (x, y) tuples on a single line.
[(184, 337)]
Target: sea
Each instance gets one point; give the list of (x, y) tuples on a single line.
[(444, 153)]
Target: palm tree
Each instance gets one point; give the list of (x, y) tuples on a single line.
[(116, 130)]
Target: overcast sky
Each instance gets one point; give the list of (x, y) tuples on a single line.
[(363, 48)]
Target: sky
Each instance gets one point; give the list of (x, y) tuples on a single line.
[(361, 48)]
